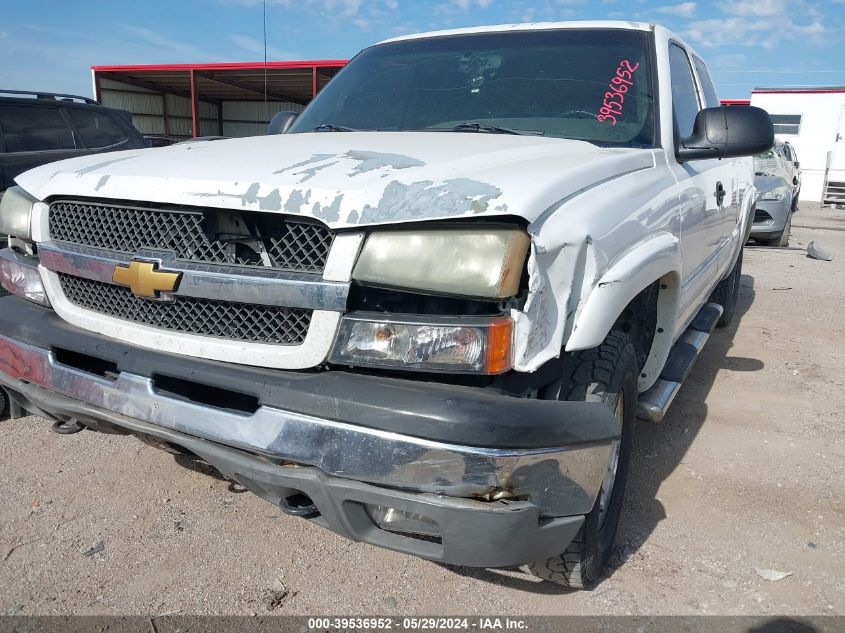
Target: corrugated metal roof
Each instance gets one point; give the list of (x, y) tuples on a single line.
[(233, 99), (291, 81)]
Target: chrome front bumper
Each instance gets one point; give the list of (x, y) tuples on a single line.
[(559, 480)]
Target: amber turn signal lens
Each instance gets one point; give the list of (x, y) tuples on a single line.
[(499, 346)]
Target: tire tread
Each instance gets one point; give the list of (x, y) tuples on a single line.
[(587, 377)]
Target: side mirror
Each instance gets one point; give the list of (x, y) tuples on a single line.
[(797, 164), (728, 132), (280, 122), (158, 141)]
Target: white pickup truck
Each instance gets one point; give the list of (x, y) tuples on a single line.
[(424, 316)]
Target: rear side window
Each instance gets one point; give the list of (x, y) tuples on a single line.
[(684, 94), (710, 98), (34, 129), (96, 129)]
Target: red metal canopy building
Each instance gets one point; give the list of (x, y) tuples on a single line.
[(178, 101)]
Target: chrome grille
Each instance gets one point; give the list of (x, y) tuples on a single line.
[(204, 317), (217, 236)]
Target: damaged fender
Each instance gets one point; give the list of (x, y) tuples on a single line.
[(632, 273), (541, 329)]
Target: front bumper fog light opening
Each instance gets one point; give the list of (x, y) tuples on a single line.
[(300, 505), (404, 523)]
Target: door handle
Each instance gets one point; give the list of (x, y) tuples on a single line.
[(720, 193)]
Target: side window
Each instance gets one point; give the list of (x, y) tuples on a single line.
[(711, 100), (34, 129), (96, 129), (684, 93)]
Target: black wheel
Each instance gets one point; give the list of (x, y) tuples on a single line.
[(727, 291), (608, 374)]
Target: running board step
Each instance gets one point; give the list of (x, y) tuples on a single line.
[(653, 403)]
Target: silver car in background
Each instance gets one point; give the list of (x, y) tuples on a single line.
[(778, 181)]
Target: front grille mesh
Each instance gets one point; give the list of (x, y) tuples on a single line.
[(216, 236), (204, 317)]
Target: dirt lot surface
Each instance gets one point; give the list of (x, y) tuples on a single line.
[(746, 472)]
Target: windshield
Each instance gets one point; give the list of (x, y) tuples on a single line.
[(588, 84)]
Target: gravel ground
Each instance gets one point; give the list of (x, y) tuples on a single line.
[(745, 472)]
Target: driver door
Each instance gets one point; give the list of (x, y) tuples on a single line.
[(707, 190)]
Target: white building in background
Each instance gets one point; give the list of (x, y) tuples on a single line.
[(813, 121)]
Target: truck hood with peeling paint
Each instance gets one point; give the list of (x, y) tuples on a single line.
[(349, 179)]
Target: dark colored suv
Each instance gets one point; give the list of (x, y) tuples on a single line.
[(38, 128), (41, 127)]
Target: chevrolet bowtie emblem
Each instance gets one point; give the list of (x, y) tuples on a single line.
[(143, 279)]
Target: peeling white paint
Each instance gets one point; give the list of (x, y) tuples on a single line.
[(96, 167), (380, 160), (315, 158), (383, 177), (454, 197)]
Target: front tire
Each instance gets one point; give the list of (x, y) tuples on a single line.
[(608, 374)]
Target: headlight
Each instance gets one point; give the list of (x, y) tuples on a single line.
[(459, 344), (16, 213), (775, 194), (467, 262)]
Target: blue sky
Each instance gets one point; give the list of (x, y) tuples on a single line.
[(51, 45)]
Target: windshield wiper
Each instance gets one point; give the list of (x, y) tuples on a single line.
[(493, 129), (330, 127)]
